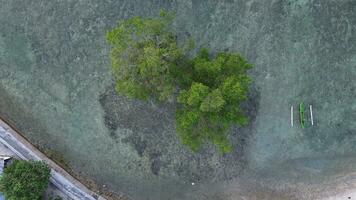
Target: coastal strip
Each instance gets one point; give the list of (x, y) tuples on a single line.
[(59, 177)]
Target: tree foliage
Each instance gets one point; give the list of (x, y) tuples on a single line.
[(143, 55), (25, 180), (147, 62), (212, 103)]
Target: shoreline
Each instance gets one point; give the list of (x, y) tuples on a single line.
[(348, 194), (68, 183)]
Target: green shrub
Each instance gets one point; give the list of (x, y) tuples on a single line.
[(55, 198), (143, 56), (212, 103), (25, 180), (147, 62)]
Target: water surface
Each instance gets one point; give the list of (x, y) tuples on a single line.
[(56, 87)]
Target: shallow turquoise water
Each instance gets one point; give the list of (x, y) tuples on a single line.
[(55, 86)]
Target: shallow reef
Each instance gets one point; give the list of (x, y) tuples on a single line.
[(56, 88)]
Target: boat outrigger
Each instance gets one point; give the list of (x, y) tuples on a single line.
[(291, 116), (311, 114), (301, 114)]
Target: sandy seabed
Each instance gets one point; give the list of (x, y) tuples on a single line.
[(56, 87)]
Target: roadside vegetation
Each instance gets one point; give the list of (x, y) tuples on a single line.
[(25, 180), (55, 198), (148, 63)]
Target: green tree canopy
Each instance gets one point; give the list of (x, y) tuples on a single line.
[(212, 103), (143, 56), (25, 180), (147, 62)]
